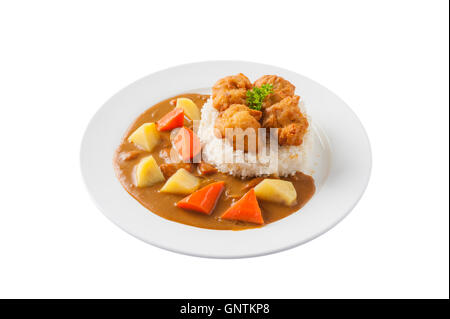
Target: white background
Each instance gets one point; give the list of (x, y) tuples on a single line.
[(61, 60)]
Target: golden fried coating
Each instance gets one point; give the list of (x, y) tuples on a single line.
[(224, 98), (292, 134), (287, 117), (238, 81), (282, 113), (230, 90), (281, 89), (238, 116), (241, 117), (280, 109)]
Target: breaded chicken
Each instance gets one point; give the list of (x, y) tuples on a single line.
[(282, 113), (281, 89), (287, 117), (292, 134), (241, 117), (230, 90)]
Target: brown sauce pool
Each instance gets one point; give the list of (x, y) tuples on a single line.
[(163, 204)]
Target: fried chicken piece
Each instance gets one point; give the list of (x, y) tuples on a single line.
[(282, 113), (238, 81), (293, 134), (281, 89), (223, 99), (286, 116), (230, 90), (239, 116)]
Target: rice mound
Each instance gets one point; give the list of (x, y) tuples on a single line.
[(290, 158)]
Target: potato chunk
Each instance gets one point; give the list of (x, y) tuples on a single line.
[(189, 107), (276, 190), (148, 172), (145, 137), (182, 182)]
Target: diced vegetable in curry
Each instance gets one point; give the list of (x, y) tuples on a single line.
[(189, 108), (182, 182), (145, 137), (204, 200), (277, 191), (148, 172), (246, 209), (171, 120)]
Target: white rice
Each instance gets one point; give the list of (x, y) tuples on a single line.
[(290, 158)]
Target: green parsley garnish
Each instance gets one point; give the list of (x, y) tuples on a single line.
[(256, 96)]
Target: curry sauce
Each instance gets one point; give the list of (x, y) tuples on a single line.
[(127, 156)]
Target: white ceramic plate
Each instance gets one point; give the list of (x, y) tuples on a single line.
[(341, 156)]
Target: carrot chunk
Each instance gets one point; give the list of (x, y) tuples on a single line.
[(204, 200), (246, 209), (187, 143), (171, 120)]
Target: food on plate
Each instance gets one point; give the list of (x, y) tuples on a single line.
[(171, 120), (145, 137), (280, 88), (277, 191), (148, 172), (189, 107), (283, 116), (239, 116), (204, 200), (182, 182), (246, 209), (230, 90), (286, 116), (175, 157)]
